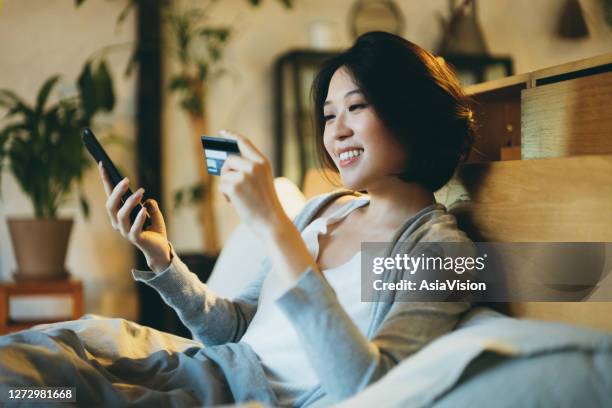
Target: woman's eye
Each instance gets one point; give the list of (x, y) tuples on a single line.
[(357, 106), (328, 118)]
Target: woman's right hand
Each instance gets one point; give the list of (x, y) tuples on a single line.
[(153, 242)]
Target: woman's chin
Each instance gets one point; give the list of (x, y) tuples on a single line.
[(352, 183)]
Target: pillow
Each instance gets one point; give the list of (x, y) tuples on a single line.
[(233, 270), (563, 378), (495, 360)]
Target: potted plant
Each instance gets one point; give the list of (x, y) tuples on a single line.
[(43, 149)]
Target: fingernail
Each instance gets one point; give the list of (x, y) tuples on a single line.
[(125, 180), (140, 191)]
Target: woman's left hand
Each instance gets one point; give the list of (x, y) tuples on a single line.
[(248, 183)]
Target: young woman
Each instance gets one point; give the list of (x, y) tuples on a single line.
[(394, 122)]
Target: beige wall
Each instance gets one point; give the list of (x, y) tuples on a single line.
[(41, 37)]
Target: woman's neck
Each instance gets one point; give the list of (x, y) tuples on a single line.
[(393, 201)]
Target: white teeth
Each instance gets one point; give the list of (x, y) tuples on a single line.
[(350, 154)]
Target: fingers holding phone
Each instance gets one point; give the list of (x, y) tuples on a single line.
[(152, 241), (123, 214), (115, 195), (140, 223), (119, 206)]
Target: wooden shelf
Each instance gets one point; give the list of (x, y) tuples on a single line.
[(552, 112), (497, 111), (574, 66), (496, 85)]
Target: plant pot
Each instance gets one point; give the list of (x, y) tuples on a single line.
[(40, 247)]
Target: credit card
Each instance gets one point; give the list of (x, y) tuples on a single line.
[(216, 151)]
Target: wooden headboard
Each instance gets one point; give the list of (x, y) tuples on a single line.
[(567, 199)]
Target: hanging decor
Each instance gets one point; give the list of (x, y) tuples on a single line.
[(572, 24), (463, 45), (375, 15)]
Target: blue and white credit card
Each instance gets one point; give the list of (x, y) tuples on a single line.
[(216, 151)]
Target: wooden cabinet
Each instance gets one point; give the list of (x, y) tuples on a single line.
[(71, 288), (553, 112)]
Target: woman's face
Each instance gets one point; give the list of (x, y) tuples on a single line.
[(363, 149)]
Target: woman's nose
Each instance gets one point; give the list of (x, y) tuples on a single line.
[(342, 128)]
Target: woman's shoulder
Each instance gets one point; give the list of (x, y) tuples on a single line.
[(335, 200), (328, 203), (439, 226)]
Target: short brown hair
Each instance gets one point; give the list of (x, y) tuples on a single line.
[(416, 95)]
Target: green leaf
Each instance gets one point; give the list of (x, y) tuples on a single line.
[(9, 98), (87, 90), (96, 90), (84, 205), (216, 34), (44, 92), (178, 199), (131, 63), (197, 192), (179, 82), (188, 195), (4, 136), (126, 10), (191, 103), (103, 83), (286, 3), (203, 72), (215, 53)]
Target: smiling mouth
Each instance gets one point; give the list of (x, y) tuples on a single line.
[(350, 157)]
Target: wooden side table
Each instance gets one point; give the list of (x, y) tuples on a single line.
[(72, 288)]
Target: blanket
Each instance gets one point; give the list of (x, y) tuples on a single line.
[(112, 360), (495, 360), (489, 359)]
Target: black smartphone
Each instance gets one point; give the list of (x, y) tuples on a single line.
[(99, 155), (216, 151)]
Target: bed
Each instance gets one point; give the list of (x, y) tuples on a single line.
[(537, 354), (544, 354)]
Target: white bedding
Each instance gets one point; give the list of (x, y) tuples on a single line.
[(533, 363)]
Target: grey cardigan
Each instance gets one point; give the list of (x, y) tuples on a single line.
[(344, 360)]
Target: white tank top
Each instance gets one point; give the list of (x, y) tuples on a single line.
[(271, 334)]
